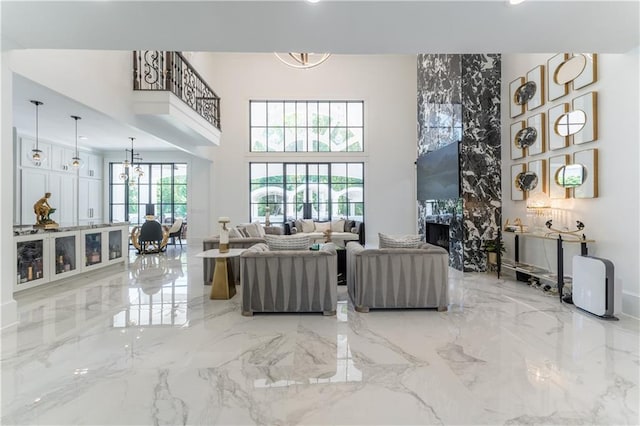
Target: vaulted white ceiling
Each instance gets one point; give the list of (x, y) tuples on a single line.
[(338, 26)]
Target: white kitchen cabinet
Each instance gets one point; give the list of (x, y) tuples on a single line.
[(61, 158), (33, 185), (28, 144), (92, 165), (63, 197), (89, 200)]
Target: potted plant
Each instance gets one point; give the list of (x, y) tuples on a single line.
[(491, 247)]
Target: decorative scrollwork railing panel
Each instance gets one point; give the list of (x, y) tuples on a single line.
[(159, 70)]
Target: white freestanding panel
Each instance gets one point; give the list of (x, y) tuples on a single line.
[(593, 290)]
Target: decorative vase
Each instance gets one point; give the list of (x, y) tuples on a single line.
[(493, 257), (224, 234)]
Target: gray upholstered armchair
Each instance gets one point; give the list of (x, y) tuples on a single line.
[(398, 277), (289, 280)]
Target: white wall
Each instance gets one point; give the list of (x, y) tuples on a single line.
[(387, 84), (612, 219)]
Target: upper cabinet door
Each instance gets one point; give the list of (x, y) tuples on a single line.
[(92, 165), (27, 145), (61, 158)]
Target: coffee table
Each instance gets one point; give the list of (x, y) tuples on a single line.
[(222, 284)]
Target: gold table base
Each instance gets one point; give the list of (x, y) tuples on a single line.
[(222, 285)]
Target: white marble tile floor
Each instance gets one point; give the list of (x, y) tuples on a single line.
[(146, 346)]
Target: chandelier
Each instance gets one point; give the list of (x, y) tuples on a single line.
[(129, 165), (302, 60)]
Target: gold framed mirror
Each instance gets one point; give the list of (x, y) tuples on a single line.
[(516, 151), (570, 175), (590, 72), (557, 141), (555, 90), (570, 69), (571, 123), (537, 122), (589, 160), (517, 194), (588, 104), (539, 168), (515, 109), (527, 181), (556, 191), (536, 76)]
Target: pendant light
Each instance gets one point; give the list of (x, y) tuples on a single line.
[(36, 155), (76, 161)]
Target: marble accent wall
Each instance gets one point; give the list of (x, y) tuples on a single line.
[(459, 100)]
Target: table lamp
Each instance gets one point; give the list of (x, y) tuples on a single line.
[(224, 234)]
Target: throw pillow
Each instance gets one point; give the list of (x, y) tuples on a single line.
[(260, 228), (337, 225), (307, 225), (399, 241), (349, 225), (253, 230), (234, 233), (294, 230), (287, 242), (298, 225), (323, 226)]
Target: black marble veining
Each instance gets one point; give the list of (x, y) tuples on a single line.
[(459, 100)]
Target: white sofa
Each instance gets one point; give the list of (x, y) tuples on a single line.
[(342, 231)]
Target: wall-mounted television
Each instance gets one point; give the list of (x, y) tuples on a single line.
[(439, 173)]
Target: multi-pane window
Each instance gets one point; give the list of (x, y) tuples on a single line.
[(162, 184), (307, 126), (321, 191)]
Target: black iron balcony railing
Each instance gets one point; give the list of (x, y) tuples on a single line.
[(159, 70)]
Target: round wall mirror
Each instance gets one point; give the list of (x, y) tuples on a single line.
[(526, 137), (526, 181), (571, 176), (525, 93), (570, 123), (570, 69)]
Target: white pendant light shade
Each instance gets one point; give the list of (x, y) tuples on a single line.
[(138, 170), (76, 161), (123, 176), (36, 155)]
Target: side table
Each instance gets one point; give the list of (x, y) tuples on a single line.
[(222, 284)]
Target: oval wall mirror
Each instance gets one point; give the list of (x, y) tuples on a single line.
[(526, 181), (570, 69), (570, 123), (525, 93), (525, 137), (571, 176)]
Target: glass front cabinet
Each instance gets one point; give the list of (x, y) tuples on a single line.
[(65, 247), (32, 261), (49, 256)]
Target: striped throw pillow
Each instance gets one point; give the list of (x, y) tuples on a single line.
[(399, 241), (287, 242)]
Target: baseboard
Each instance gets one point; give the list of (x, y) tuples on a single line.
[(8, 314), (631, 304)]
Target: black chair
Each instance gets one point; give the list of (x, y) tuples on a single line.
[(150, 233), (176, 231)]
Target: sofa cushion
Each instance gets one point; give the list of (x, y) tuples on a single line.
[(287, 242), (235, 233), (254, 230), (307, 225), (337, 225), (322, 226), (399, 241)]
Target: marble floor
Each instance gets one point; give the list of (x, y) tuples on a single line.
[(146, 346)]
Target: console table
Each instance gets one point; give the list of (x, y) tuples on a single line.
[(526, 269)]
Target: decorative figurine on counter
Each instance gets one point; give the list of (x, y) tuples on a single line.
[(43, 211), (567, 233)]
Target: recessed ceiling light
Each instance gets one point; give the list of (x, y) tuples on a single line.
[(515, 1), (313, 1), (83, 138)]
